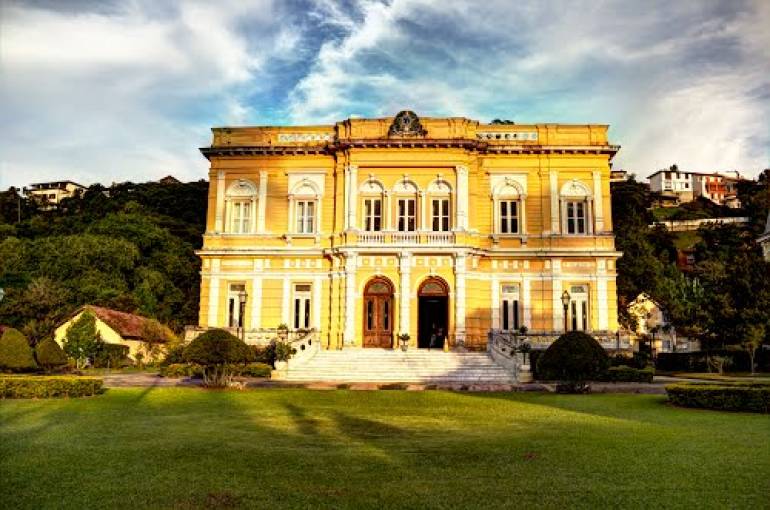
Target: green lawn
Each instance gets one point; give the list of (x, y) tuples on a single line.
[(190, 448)]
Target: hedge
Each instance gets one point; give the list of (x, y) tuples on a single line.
[(15, 353), (696, 361), (36, 386), (754, 398), (629, 374), (253, 370)]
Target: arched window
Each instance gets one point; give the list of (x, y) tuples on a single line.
[(304, 205), (509, 200), (576, 209), (241, 207), (439, 200), (373, 197), (406, 195)]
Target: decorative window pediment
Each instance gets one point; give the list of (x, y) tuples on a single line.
[(575, 189)]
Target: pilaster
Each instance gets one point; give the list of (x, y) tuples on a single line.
[(262, 203), (405, 269), (352, 195), (220, 210), (462, 197), (598, 202), (351, 267), (460, 269)]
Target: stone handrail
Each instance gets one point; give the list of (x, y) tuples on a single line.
[(305, 344)]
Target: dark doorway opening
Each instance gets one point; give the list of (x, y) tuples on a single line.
[(432, 313)]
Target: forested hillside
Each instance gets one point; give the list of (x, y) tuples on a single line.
[(129, 247), (725, 298)]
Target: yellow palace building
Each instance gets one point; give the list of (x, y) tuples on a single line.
[(439, 228)]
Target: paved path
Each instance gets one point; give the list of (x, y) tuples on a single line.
[(144, 380)]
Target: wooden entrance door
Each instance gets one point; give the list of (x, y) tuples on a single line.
[(432, 313), (378, 314)]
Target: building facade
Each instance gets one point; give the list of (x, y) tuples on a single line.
[(436, 228), (49, 194), (686, 186), (673, 183)]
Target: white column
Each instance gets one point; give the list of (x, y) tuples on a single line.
[(405, 293), (351, 264), (598, 199), (387, 213), (523, 215), (460, 267), (495, 301), (526, 300), (256, 302), (462, 197), (554, 193), (422, 197), (262, 203), (347, 196), (220, 211), (316, 322), (213, 321), (601, 295), (286, 298), (352, 196)]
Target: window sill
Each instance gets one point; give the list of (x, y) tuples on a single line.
[(496, 238)]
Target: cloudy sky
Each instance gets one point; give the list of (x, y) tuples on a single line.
[(95, 91)]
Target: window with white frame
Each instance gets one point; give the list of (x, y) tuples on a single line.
[(576, 216), (407, 217), (578, 308), (240, 216), (372, 214), (509, 216), (304, 214), (576, 208), (235, 311), (301, 317), (440, 214), (509, 308), (241, 207)]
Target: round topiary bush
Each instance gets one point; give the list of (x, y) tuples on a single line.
[(50, 355), (574, 358), (217, 351), (15, 353)]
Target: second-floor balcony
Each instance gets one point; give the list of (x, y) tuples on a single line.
[(417, 238)]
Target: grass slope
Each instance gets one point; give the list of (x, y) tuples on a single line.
[(187, 448)]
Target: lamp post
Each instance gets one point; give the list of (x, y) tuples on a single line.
[(565, 302), (242, 299)]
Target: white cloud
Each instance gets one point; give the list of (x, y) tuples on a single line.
[(94, 96)]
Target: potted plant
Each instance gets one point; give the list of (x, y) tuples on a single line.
[(283, 352), (283, 331), (403, 339)]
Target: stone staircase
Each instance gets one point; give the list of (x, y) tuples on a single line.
[(395, 366)]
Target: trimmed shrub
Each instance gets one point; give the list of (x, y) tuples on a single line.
[(50, 355), (253, 370), (177, 370), (629, 374), (574, 358), (217, 351), (754, 398), (15, 353), (174, 355), (264, 354), (37, 386)]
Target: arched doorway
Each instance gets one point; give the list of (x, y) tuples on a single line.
[(432, 313), (378, 313)]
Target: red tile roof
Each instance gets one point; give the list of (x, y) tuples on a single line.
[(127, 325)]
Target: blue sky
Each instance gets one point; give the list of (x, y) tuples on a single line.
[(95, 91)]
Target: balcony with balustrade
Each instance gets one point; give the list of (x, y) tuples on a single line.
[(418, 238)]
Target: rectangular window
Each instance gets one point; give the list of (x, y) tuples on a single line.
[(234, 308), (510, 308), (305, 210), (576, 217), (440, 209), (578, 310), (372, 214), (509, 217), (240, 217), (406, 215), (302, 306)]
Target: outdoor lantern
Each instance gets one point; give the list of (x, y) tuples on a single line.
[(565, 302), (2, 293)]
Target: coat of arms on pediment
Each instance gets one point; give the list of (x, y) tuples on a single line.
[(406, 124)]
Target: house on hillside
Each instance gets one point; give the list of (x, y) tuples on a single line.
[(119, 328), (652, 323), (49, 194), (764, 239)]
